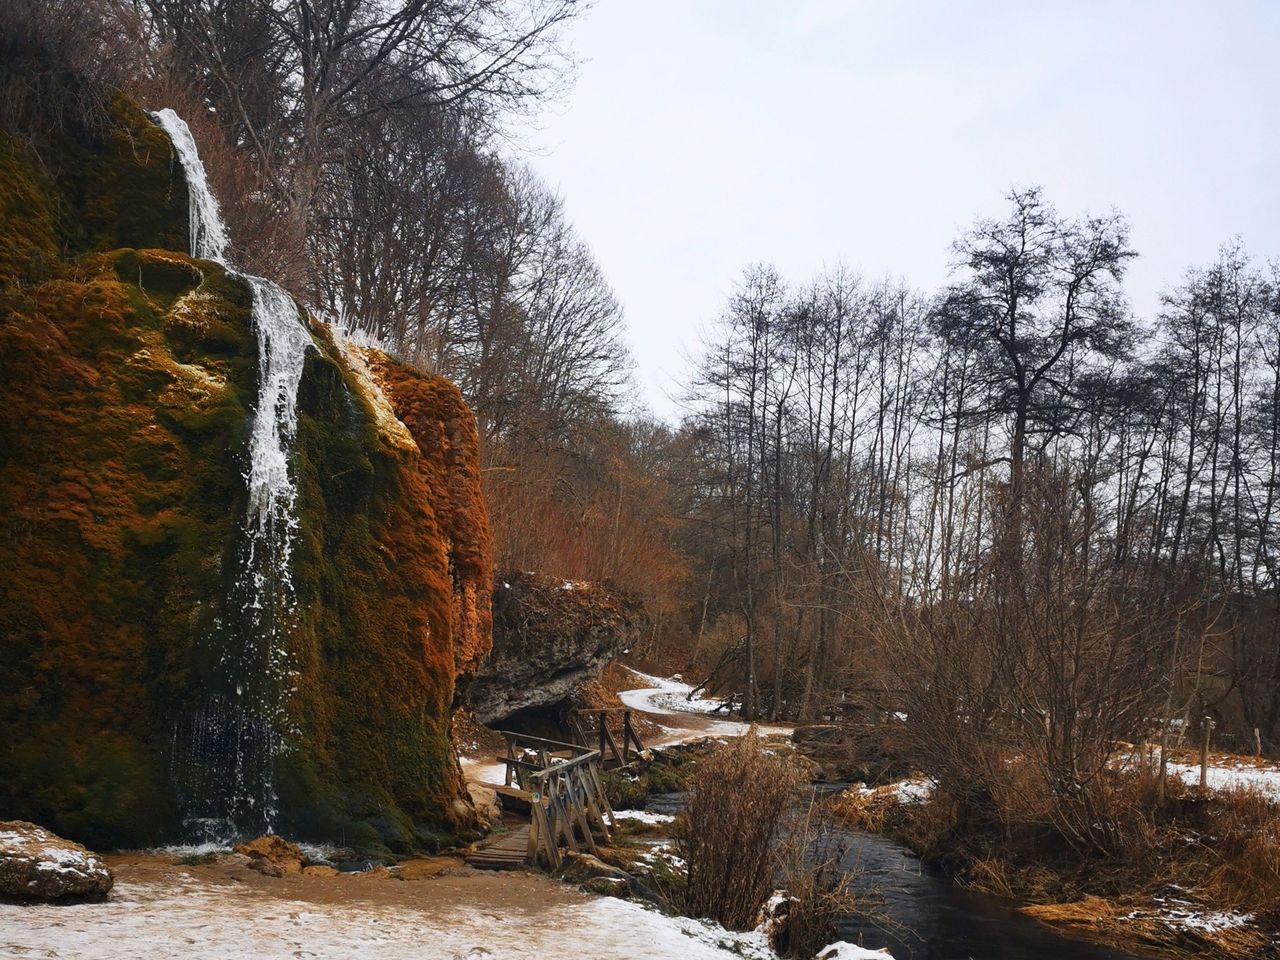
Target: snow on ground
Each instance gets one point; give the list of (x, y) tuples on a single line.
[(185, 914), (1185, 915), (478, 771), (642, 816), (910, 790), (670, 695), (1238, 775), (847, 951)]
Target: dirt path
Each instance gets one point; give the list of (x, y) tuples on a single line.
[(667, 702), (162, 910)]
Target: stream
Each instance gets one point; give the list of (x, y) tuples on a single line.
[(918, 914)]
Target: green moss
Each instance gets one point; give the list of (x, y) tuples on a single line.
[(128, 372), (28, 244), (124, 189), (121, 518)]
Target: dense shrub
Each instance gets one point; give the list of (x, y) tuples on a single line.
[(740, 798)]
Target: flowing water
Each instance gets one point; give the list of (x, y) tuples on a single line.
[(224, 751), (918, 914), (205, 227), (921, 915)]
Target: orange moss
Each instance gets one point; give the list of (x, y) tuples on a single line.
[(127, 377), (445, 431), (108, 504)]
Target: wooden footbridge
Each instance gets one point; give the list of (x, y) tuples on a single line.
[(560, 786)]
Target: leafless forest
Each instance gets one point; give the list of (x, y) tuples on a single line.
[(1009, 508)]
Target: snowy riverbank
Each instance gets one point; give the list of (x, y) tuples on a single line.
[(164, 910)]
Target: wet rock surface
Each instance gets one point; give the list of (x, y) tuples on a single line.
[(273, 856), (38, 865)]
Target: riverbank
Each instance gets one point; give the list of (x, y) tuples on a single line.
[(1198, 883)]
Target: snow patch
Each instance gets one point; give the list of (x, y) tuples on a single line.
[(1240, 776), (910, 790), (842, 950), (642, 816)]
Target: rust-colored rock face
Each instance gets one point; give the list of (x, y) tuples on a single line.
[(128, 381), (445, 431)]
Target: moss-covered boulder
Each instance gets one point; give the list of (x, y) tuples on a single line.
[(128, 377)]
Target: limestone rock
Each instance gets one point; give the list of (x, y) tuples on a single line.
[(424, 867), (320, 870), (38, 865), (580, 867), (129, 374), (486, 802), (273, 856), (550, 636), (607, 887)]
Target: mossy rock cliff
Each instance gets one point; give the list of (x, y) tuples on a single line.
[(128, 376)]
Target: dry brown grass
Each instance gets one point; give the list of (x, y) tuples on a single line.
[(819, 888), (739, 802), (1219, 851)]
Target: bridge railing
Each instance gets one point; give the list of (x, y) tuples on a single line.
[(610, 751), (568, 806)]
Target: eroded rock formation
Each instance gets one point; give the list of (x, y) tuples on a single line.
[(550, 636), (128, 375)]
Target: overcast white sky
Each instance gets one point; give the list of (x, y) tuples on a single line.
[(702, 136)]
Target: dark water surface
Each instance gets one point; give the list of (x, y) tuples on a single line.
[(918, 914), (921, 915)]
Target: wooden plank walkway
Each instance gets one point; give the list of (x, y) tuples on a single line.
[(559, 787), (508, 852)]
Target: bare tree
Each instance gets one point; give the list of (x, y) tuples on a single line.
[(296, 77)]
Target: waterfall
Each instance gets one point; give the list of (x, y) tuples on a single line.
[(228, 746), (205, 226)]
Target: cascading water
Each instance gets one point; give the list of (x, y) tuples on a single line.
[(204, 219), (224, 752)]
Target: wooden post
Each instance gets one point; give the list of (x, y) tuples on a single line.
[(613, 744), (602, 796), (631, 731), (1207, 730), (578, 730)]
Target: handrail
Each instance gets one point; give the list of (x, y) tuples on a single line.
[(511, 736), (567, 800), (565, 765), (632, 746)]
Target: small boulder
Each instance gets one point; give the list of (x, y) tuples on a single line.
[(584, 866), (485, 800), (272, 856), (320, 870), (607, 887), (423, 867), (38, 865)]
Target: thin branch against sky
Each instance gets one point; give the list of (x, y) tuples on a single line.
[(701, 137)]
